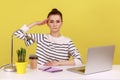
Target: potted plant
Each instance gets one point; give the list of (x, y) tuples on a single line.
[(21, 63)]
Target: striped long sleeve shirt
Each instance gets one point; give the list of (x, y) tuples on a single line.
[(50, 48)]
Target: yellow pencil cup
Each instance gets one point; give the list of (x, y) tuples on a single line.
[(21, 67)]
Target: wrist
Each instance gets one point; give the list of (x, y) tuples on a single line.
[(32, 24), (60, 63)]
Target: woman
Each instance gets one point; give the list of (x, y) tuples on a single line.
[(53, 49)]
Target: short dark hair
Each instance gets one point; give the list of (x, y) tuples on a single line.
[(55, 11)]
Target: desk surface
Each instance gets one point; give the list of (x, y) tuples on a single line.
[(113, 74)]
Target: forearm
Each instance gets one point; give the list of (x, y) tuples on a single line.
[(32, 24), (60, 63), (39, 23), (67, 63)]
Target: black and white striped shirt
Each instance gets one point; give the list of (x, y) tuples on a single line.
[(50, 48)]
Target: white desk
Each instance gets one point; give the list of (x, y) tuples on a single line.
[(113, 74)]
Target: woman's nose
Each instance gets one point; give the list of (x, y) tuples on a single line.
[(55, 24)]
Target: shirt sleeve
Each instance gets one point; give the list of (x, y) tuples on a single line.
[(73, 51), (28, 38), (24, 28)]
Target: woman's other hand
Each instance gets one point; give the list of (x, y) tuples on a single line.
[(52, 63), (61, 63)]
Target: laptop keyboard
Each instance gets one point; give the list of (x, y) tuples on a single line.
[(77, 69)]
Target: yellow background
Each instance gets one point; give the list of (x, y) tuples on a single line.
[(87, 22)]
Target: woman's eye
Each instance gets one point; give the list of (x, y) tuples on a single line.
[(51, 21), (58, 21)]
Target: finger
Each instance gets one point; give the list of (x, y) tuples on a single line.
[(43, 22)]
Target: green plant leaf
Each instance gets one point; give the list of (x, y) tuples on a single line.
[(21, 53)]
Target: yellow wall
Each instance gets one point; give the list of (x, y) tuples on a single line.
[(87, 22)]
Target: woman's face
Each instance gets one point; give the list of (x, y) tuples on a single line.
[(54, 23)]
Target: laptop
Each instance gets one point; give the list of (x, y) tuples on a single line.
[(99, 59)]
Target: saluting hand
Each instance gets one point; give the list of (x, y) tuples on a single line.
[(39, 23)]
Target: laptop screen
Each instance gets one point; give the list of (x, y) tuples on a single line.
[(99, 59)]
